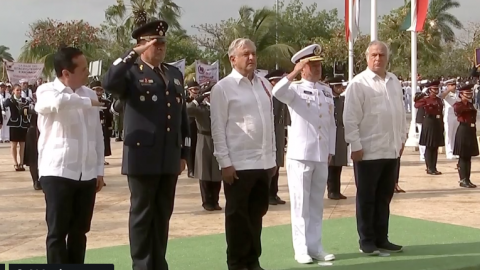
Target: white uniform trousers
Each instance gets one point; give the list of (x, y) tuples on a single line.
[(451, 125), (307, 181), (421, 148), (5, 131)]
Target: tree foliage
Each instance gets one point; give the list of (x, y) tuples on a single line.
[(278, 32)]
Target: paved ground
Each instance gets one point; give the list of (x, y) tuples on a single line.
[(22, 225)]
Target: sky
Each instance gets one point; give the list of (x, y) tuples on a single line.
[(17, 15)]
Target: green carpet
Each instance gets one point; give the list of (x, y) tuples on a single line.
[(428, 246)]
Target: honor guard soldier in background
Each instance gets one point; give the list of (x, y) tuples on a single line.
[(31, 143), (311, 145), (420, 116), (206, 165), (192, 93), (280, 118), (466, 144), (431, 135), (106, 117), (156, 138), (340, 158), (449, 118)]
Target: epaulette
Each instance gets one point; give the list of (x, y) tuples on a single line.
[(322, 83), (296, 81)]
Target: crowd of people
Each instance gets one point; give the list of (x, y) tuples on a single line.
[(230, 132)]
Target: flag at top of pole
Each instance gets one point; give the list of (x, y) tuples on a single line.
[(419, 13), (354, 17)]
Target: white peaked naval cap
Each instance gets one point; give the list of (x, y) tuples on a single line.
[(312, 53)]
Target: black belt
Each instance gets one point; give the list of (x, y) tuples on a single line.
[(436, 116), (206, 133), (467, 124)]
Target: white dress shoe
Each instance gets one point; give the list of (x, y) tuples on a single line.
[(303, 259), (324, 256)]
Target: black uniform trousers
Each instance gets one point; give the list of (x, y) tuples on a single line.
[(274, 184), (333, 180), (210, 192), (398, 171), (151, 206), (375, 181), (247, 203), (69, 212)]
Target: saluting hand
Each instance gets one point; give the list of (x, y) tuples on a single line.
[(142, 48)]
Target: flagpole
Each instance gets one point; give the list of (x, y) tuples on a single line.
[(412, 140), (276, 31), (350, 40), (373, 21)]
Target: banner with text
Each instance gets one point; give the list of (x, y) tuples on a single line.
[(206, 73), (180, 64), (28, 71)]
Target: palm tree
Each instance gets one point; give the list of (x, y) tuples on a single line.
[(440, 22), (259, 26), (4, 54), (123, 14)]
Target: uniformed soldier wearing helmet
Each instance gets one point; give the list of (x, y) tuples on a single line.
[(340, 159), (156, 138), (281, 118), (466, 144)]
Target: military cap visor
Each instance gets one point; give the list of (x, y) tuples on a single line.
[(467, 88), (335, 80), (434, 84), (95, 84), (275, 75), (152, 30)]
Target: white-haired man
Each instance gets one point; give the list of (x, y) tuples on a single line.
[(311, 146), (244, 145), (375, 126)]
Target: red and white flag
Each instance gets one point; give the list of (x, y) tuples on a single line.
[(355, 18)]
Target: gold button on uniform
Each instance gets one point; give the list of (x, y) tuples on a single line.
[(168, 104), (168, 116), (319, 127), (138, 144), (168, 129), (166, 93), (148, 92), (320, 116), (319, 137)]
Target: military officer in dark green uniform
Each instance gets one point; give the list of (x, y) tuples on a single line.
[(156, 138)]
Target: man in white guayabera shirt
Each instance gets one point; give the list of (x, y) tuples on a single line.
[(244, 145), (375, 127), (70, 156), (311, 145)]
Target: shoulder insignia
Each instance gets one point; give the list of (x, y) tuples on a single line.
[(297, 82), (322, 83)]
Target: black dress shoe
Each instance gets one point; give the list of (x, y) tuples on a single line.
[(279, 201), (272, 201), (433, 172), (37, 186), (389, 247), (465, 183), (336, 196), (217, 207), (370, 250), (209, 207)]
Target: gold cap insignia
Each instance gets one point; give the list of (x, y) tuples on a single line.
[(160, 33), (317, 51)]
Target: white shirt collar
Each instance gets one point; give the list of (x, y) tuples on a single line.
[(373, 75), (238, 77)]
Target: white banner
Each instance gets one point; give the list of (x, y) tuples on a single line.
[(261, 72), (206, 73), (28, 71), (180, 64)]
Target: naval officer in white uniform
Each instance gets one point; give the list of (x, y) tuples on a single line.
[(311, 145), (449, 118)]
